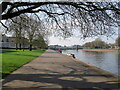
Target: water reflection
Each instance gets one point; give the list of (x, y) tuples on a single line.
[(104, 60)]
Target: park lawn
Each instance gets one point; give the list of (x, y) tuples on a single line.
[(12, 59)]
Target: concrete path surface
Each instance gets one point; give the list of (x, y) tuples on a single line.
[(54, 70)]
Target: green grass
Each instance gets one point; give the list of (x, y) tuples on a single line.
[(12, 59)]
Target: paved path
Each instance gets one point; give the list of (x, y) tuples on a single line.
[(54, 70)]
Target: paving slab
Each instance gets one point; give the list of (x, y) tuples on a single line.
[(54, 70)]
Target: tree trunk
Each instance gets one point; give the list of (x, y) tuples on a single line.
[(23, 45), (30, 48), (20, 46), (16, 46), (16, 40)]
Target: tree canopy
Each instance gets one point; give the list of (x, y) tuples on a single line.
[(91, 18), (29, 28)]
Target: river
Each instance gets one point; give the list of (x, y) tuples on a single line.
[(105, 60)]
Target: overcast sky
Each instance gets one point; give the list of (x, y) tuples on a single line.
[(77, 41)]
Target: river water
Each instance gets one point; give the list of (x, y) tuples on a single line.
[(105, 60)]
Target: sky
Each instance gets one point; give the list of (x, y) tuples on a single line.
[(77, 41), (53, 40)]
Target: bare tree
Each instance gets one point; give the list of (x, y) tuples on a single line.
[(17, 27), (92, 18), (26, 27), (34, 29)]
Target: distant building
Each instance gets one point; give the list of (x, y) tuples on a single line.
[(10, 42), (77, 47), (55, 47), (5, 42)]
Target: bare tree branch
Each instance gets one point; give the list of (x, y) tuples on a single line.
[(93, 18)]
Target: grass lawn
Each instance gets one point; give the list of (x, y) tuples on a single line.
[(12, 59)]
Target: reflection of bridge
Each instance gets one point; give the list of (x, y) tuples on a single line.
[(74, 47)]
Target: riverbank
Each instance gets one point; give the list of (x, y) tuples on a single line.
[(54, 70), (107, 61), (102, 50), (101, 71)]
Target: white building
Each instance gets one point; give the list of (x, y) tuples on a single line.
[(8, 42), (5, 42)]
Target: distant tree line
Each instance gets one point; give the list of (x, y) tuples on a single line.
[(118, 42), (99, 44)]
